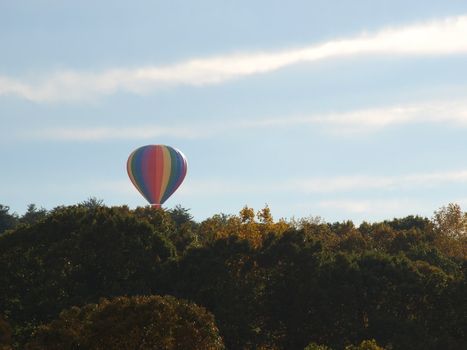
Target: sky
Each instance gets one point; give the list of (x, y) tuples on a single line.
[(348, 110)]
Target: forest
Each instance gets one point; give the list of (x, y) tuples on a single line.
[(89, 276)]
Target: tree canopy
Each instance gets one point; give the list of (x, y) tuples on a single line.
[(260, 283), (145, 323)]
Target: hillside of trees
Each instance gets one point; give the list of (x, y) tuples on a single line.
[(94, 277)]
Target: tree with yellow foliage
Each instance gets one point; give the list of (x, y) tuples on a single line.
[(246, 225), (451, 230)]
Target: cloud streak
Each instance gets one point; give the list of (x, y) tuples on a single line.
[(367, 182), (327, 185), (373, 119), (440, 37), (358, 121), (367, 206), (93, 134)]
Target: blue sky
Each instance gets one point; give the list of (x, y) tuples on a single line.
[(346, 110)]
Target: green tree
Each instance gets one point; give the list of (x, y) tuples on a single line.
[(163, 222), (33, 215), (181, 216), (289, 264), (341, 298), (145, 323), (221, 277), (409, 222), (7, 220), (185, 232), (92, 203), (75, 256), (270, 285)]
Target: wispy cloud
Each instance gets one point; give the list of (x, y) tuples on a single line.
[(365, 120), (326, 185), (369, 182), (438, 37), (372, 119), (364, 206), (338, 187), (222, 187), (373, 206), (110, 133)]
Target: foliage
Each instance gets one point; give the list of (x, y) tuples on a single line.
[(314, 346), (92, 203), (220, 277), (271, 284), (365, 345), (184, 236), (33, 215), (7, 220), (75, 256), (124, 323), (175, 225), (244, 226), (451, 228)]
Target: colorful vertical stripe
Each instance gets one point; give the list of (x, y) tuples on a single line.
[(156, 171)]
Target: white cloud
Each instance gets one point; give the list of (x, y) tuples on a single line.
[(109, 133), (333, 186), (325, 185), (373, 119), (215, 187), (440, 37), (368, 182), (453, 112), (368, 207), (366, 120)]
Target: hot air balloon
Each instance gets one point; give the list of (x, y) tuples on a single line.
[(156, 171)]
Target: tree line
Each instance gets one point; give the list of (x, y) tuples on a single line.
[(89, 276)]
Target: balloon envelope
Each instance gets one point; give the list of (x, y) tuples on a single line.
[(156, 171)]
